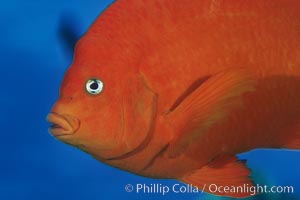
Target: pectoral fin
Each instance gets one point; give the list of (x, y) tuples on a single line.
[(207, 105), (226, 176)]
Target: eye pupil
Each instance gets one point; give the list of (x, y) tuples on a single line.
[(94, 85)]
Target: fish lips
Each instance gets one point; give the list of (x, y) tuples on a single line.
[(62, 125)]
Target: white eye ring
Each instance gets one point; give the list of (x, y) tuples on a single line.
[(94, 86)]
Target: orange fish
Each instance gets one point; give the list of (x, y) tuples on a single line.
[(175, 89)]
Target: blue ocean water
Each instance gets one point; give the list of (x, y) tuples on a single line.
[(36, 41)]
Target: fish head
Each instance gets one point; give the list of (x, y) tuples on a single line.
[(103, 109)]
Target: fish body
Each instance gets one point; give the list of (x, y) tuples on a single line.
[(185, 86)]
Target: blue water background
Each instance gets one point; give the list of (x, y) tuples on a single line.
[(36, 41)]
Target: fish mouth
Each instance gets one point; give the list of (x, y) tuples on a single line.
[(62, 125)]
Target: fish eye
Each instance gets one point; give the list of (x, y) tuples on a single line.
[(94, 86)]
